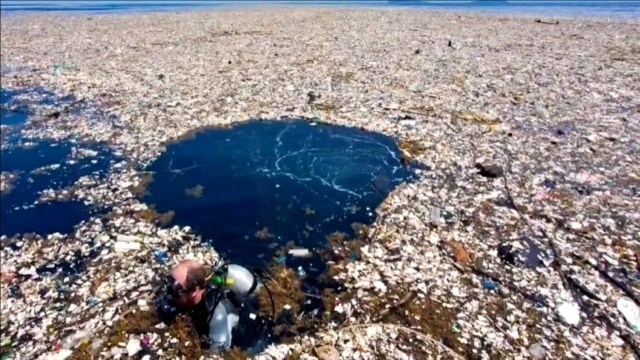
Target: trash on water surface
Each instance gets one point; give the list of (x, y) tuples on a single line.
[(301, 271), (122, 246), (281, 259), (91, 301), (59, 355), (57, 68), (74, 339), (630, 311), (161, 256), (299, 252), (569, 313), (489, 284), (126, 238), (133, 347), (536, 351)]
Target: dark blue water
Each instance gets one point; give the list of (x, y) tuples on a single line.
[(39, 165), (564, 8), (298, 180)]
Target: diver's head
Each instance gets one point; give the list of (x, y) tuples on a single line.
[(186, 284)]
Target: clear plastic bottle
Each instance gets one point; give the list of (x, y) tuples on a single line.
[(74, 339)]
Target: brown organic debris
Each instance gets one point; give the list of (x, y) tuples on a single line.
[(236, 353), (140, 188), (308, 210), (195, 191), (476, 117), (264, 234), (99, 278), (285, 287), (323, 106), (150, 214), (460, 255)]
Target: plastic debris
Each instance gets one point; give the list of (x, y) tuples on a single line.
[(58, 68), (301, 271), (569, 313), (541, 112), (489, 284), (145, 341), (133, 347), (630, 312), (281, 259), (455, 327), (74, 339), (161, 256), (60, 355), (536, 351), (549, 184), (6, 342), (327, 352), (126, 238), (123, 246), (299, 252)]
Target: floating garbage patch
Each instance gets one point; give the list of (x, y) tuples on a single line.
[(35, 172), (259, 185)]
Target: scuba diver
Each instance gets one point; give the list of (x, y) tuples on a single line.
[(213, 301)]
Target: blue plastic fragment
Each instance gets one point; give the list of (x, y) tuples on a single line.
[(92, 301), (488, 284), (160, 255), (281, 259), (353, 256)]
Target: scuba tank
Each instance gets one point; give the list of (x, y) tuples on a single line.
[(232, 286), (244, 282)]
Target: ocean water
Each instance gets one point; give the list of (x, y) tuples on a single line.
[(260, 184), (39, 165), (611, 8)]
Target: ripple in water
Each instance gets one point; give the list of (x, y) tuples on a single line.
[(264, 183)]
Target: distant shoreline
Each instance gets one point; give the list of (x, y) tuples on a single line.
[(567, 9)]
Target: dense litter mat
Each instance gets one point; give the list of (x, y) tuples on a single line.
[(261, 184)]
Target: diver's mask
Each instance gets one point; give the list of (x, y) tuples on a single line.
[(168, 298)]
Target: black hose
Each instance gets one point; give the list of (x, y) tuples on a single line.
[(273, 303)]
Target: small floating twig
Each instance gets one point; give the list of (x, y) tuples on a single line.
[(547, 22), (408, 297), (179, 171)]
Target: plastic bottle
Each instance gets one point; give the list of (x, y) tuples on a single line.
[(72, 340)]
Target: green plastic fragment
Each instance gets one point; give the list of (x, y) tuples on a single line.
[(455, 327), (57, 68), (5, 342), (6, 355), (315, 119)]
